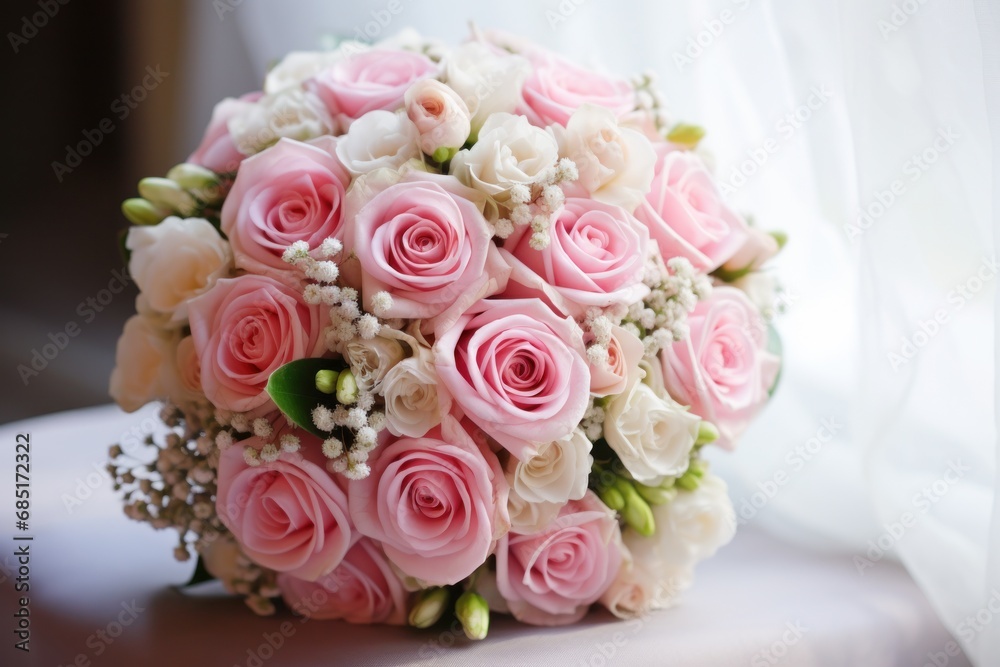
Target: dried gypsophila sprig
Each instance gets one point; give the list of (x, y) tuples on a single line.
[(177, 489)]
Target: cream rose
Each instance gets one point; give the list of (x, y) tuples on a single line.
[(625, 359), (293, 113), (616, 164), (648, 582), (175, 261), (528, 518), (488, 80), (509, 151), (557, 473), (186, 384), (440, 115), (652, 434), (298, 67), (222, 558), (379, 139), (144, 362), (693, 526), (370, 360), (410, 389)]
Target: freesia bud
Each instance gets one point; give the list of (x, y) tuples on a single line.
[(347, 388), (193, 177), (326, 381), (707, 432), (167, 194), (474, 614), (142, 212), (429, 607)]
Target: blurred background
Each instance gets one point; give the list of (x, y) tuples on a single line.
[(67, 68)]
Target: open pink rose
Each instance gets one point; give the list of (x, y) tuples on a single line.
[(624, 356), (289, 192), (686, 214), (517, 370), (557, 87), (595, 258), (217, 150), (244, 329), (362, 589), (425, 241), (370, 80), (723, 370), (437, 504), (288, 515), (552, 577)]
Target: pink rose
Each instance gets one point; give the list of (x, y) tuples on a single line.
[(370, 80), (437, 504), (288, 515), (425, 241), (723, 370), (624, 356), (517, 370), (244, 329), (552, 577), (217, 150), (362, 589), (686, 214), (595, 258), (289, 192), (557, 87)]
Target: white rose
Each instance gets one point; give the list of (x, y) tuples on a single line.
[(527, 517), (378, 139), (557, 473), (693, 526), (616, 164), (487, 80), (144, 363), (652, 434), (175, 261), (370, 360), (297, 67), (438, 113), (509, 151), (293, 113), (411, 396)]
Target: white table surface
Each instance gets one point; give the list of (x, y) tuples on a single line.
[(88, 563)]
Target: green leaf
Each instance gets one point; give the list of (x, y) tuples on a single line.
[(200, 575), (293, 389), (774, 346)]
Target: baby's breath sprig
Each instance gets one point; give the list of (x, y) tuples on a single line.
[(674, 290), (536, 203)]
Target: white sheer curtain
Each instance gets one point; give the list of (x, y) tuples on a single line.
[(905, 102)]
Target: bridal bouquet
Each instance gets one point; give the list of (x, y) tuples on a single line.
[(443, 331)]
